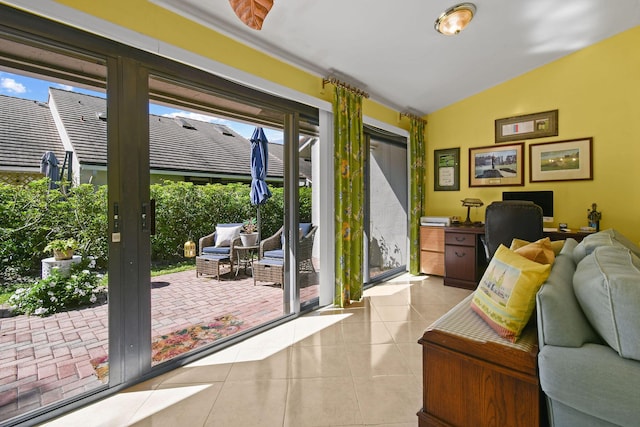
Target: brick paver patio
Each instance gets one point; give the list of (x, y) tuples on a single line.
[(44, 360)]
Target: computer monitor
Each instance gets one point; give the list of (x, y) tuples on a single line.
[(544, 199)]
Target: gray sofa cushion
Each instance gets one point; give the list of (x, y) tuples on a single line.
[(609, 237), (607, 286), (594, 380), (560, 318)]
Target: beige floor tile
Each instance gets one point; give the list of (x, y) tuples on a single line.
[(330, 334), (321, 402), (412, 353), (406, 331), (388, 399), (366, 333), (249, 403), (319, 361), (263, 363), (173, 405), (397, 313), (378, 359)]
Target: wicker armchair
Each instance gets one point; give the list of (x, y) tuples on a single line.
[(206, 245), (271, 248), (269, 267)]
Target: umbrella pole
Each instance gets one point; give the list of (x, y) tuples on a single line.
[(259, 224)]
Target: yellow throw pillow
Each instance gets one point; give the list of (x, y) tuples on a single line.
[(556, 245), (505, 296), (538, 251)]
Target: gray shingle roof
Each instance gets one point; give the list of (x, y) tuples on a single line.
[(27, 131), (209, 148)]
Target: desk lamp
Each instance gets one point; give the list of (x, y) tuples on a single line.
[(469, 203)]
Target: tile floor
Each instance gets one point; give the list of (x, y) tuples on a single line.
[(359, 366)]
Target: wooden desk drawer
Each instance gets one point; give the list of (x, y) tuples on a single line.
[(432, 263), (460, 262), (460, 239), (432, 239)]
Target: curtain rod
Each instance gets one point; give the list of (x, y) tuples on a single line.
[(336, 82), (413, 116)]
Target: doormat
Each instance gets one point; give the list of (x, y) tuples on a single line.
[(165, 347)]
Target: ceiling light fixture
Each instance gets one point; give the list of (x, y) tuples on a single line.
[(455, 19)]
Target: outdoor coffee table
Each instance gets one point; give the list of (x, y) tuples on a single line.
[(245, 255), (210, 264)]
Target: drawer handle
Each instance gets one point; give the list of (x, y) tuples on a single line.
[(460, 239), (460, 255)]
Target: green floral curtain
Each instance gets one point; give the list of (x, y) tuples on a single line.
[(349, 192), (416, 139)]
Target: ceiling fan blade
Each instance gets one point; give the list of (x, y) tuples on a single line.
[(252, 12)]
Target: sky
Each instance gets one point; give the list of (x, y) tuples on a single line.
[(38, 90)]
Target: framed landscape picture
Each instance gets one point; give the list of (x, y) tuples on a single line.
[(496, 165), (446, 169), (561, 161)]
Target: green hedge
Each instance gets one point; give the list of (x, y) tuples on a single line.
[(32, 215)]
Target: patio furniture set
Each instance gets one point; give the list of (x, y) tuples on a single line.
[(224, 246)]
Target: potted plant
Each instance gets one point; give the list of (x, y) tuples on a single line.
[(62, 248), (249, 234)]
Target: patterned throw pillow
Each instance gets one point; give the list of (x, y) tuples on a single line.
[(505, 296), (538, 251)]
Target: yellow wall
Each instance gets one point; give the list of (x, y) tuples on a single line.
[(159, 23), (597, 93)]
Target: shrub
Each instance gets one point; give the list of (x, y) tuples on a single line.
[(58, 292)]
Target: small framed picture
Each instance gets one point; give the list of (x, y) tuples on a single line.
[(561, 161), (528, 126), (496, 165), (446, 169)]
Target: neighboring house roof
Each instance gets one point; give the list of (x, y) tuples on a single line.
[(27, 131), (178, 145), (277, 150)]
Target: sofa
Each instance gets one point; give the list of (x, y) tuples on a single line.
[(588, 316)]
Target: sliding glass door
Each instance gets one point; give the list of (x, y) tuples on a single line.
[(386, 221)]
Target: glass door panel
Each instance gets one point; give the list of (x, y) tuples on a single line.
[(387, 208), (53, 197), (205, 250)]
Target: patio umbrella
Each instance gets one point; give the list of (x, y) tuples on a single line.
[(259, 163), (49, 167)]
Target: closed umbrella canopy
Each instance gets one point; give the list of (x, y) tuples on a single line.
[(49, 167), (259, 163)]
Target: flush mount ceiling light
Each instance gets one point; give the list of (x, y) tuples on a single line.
[(455, 19)]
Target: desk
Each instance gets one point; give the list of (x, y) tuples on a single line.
[(464, 256)]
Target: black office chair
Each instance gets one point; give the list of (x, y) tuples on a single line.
[(511, 219)]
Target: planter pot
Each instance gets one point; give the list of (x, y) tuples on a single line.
[(62, 255), (249, 239)]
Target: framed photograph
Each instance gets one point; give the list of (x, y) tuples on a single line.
[(561, 161), (527, 127), (446, 169), (496, 165)]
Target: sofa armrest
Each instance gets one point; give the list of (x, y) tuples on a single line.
[(592, 379), (208, 240)]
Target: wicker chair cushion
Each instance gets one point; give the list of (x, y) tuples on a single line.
[(276, 253), (216, 251), (266, 261)]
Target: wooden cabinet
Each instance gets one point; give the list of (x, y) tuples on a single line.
[(472, 379), (465, 260), (432, 250)]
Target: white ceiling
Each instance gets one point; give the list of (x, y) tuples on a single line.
[(391, 50)]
